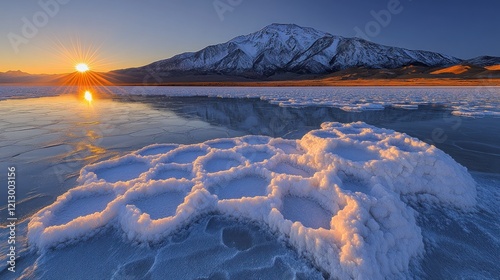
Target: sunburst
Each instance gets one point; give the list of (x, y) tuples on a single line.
[(82, 67), (86, 67)]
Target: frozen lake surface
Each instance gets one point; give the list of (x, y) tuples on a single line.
[(477, 101), (50, 140)]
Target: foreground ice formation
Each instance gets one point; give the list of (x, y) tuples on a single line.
[(339, 195)]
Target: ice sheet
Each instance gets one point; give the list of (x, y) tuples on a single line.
[(478, 101), (465, 101)]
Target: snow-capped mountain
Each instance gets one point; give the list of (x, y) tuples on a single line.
[(288, 48), (483, 61)]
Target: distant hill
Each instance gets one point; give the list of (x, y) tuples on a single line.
[(19, 77)]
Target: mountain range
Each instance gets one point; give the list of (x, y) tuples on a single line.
[(288, 51)]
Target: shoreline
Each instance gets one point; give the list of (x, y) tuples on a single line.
[(328, 82), (336, 83)]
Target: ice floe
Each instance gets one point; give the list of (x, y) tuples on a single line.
[(340, 196)]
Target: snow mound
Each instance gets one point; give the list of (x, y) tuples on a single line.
[(339, 199)]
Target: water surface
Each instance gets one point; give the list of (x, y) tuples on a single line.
[(49, 139)]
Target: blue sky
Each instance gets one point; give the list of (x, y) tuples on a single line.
[(131, 33)]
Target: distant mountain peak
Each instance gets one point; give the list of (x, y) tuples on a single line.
[(280, 27), (16, 73), (290, 48), (290, 30), (483, 61)]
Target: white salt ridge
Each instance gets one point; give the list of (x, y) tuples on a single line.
[(474, 111), (362, 107), (406, 106), (481, 101), (335, 195)]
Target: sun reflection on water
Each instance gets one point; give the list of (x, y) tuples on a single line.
[(88, 96)]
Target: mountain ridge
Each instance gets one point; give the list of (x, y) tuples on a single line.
[(289, 48)]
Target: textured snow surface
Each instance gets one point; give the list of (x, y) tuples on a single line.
[(339, 195)]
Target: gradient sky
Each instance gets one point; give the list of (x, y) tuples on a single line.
[(130, 33)]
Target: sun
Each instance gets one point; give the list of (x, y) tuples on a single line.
[(82, 67)]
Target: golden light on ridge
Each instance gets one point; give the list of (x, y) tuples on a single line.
[(82, 67)]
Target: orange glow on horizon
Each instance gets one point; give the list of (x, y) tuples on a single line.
[(85, 78), (83, 69)]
